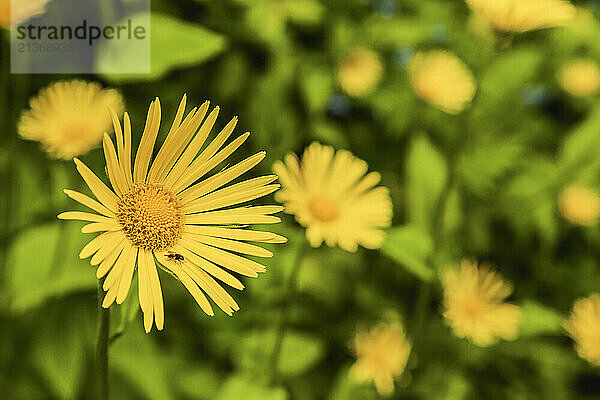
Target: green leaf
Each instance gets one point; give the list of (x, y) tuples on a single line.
[(44, 263), (578, 157), (316, 85), (299, 353), (241, 387), (346, 388), (327, 132), (410, 247), (538, 319), (137, 359), (174, 44), (509, 73), (426, 174), (439, 383), (485, 163), (62, 345), (199, 382), (306, 12), (125, 313), (396, 32)]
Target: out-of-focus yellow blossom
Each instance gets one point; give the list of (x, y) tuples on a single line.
[(331, 194), (474, 304), (382, 354), (580, 77), (579, 205), (523, 15), (25, 10), (583, 326), (69, 118), (359, 72), (443, 80)]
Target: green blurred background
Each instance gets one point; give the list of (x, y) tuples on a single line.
[(274, 63)]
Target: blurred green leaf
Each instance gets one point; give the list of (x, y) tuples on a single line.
[(486, 162), (438, 383), (136, 357), (396, 32), (578, 158), (411, 248), (538, 319), (427, 173), (240, 387), (316, 86), (62, 346), (508, 74), (125, 313), (303, 11), (329, 133), (198, 382), (346, 388), (175, 44), (44, 263), (299, 353)]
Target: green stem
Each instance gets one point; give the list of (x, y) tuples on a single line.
[(284, 317), (102, 346)]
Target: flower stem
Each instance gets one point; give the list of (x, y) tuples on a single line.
[(284, 317), (102, 346)]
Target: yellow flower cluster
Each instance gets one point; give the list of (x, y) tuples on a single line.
[(69, 118), (382, 354), (579, 205), (580, 77), (474, 304), (359, 72), (583, 326), (523, 15), (332, 195), (443, 80)]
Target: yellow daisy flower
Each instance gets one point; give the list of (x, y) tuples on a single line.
[(25, 10), (170, 212), (382, 354), (580, 77), (359, 72), (579, 205), (443, 80), (583, 326), (474, 304), (331, 196), (69, 118), (521, 16)]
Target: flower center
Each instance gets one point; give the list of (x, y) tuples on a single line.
[(77, 132), (473, 308), (323, 209), (151, 216)]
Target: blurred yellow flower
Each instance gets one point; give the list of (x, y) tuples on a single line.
[(583, 326), (523, 15), (579, 205), (331, 196), (25, 10), (382, 354), (69, 118), (580, 77), (443, 80), (474, 304), (159, 212), (359, 72)]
